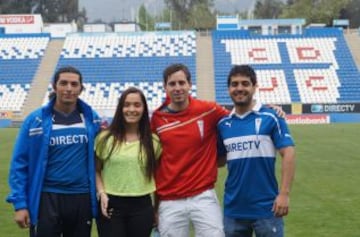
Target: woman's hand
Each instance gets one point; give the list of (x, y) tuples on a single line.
[(104, 201)]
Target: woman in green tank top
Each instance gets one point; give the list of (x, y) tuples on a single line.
[(126, 155)]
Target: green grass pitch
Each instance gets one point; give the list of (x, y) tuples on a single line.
[(325, 197)]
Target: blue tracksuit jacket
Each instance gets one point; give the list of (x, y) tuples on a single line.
[(30, 156)]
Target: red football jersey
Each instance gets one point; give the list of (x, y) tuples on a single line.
[(188, 164)]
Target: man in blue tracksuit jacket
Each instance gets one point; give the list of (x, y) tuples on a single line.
[(52, 173)]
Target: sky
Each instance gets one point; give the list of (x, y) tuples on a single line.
[(117, 10)]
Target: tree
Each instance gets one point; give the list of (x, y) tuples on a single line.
[(290, 2), (58, 10), (183, 11), (201, 18), (299, 9), (268, 9), (146, 21), (14, 7), (70, 10), (353, 13), (81, 19), (315, 11), (50, 10)]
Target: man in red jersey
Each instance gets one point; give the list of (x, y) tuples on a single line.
[(187, 170)]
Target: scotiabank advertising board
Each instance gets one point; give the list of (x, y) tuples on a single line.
[(16, 19), (308, 119)]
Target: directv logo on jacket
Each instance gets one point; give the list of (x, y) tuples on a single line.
[(250, 142)]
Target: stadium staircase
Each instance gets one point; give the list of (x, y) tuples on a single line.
[(205, 67), (39, 85), (353, 40)]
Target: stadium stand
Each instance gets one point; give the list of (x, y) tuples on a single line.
[(314, 67), (20, 56), (110, 62)]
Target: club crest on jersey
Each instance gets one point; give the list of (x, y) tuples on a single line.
[(257, 125), (200, 124)]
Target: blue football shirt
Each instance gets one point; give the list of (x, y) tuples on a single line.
[(250, 143), (67, 167)]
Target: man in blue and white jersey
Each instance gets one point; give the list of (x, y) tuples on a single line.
[(248, 141), (52, 172)]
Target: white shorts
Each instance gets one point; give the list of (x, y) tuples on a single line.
[(202, 210)]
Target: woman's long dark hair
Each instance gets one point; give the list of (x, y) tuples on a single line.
[(117, 130)]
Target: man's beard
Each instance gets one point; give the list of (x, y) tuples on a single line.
[(243, 103)]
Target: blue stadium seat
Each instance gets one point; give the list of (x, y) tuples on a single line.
[(316, 67), (110, 62), (20, 56)]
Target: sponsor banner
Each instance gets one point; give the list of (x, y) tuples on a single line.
[(345, 118), (16, 19), (332, 108), (6, 114), (5, 123), (296, 108), (308, 119), (341, 22), (163, 25), (287, 108)]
